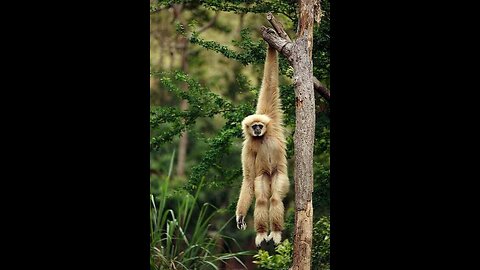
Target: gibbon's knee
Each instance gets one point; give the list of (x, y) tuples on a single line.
[(276, 213), (261, 215), (274, 202), (261, 202)]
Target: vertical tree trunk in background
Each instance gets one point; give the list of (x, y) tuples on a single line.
[(182, 45), (304, 136), (182, 147)]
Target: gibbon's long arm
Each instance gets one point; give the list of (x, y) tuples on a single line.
[(247, 189), (269, 97)]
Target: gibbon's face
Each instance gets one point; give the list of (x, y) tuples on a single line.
[(256, 125), (258, 129)]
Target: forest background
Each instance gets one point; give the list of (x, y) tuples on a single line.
[(206, 64)]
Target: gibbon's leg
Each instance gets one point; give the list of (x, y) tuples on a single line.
[(262, 193), (280, 186)]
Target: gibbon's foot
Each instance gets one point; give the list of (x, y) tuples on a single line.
[(241, 225), (276, 236), (267, 246), (260, 237)]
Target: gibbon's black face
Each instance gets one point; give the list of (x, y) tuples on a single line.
[(258, 129), (255, 125)]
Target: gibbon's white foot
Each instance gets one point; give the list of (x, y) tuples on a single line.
[(276, 236), (241, 225), (260, 237)]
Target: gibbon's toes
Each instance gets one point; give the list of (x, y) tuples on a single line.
[(241, 225), (276, 236), (259, 238)]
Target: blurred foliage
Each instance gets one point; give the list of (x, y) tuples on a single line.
[(321, 244), (221, 85)]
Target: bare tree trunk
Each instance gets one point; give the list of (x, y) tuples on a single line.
[(304, 137), (299, 54), (182, 147), (182, 45)]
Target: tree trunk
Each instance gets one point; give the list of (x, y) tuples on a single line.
[(299, 55), (182, 147), (304, 136), (182, 45)]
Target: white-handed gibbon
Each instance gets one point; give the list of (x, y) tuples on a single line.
[(264, 161)]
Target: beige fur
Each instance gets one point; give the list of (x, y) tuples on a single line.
[(264, 160)]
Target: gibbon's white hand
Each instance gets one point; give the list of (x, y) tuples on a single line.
[(241, 225)]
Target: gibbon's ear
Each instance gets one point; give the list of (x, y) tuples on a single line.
[(245, 123)]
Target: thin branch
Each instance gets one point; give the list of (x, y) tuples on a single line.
[(321, 89), (209, 24)]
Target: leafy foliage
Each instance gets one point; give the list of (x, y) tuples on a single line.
[(282, 258), (179, 241), (321, 244)]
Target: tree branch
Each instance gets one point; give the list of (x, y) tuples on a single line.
[(321, 89), (278, 26), (280, 44), (209, 24), (273, 40)]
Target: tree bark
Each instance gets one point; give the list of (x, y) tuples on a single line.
[(299, 54)]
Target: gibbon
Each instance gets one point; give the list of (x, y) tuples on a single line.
[(264, 161)]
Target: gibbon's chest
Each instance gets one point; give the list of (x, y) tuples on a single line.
[(268, 155)]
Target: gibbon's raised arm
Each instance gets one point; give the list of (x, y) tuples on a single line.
[(269, 97)]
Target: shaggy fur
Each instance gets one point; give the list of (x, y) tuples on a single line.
[(264, 160)]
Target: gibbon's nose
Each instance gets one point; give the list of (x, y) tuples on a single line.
[(257, 131)]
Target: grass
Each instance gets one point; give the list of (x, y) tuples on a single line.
[(180, 242)]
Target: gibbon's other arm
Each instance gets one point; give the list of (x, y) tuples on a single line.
[(269, 98), (246, 192)]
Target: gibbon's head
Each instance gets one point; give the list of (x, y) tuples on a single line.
[(255, 125)]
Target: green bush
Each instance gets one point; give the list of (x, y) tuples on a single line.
[(321, 244), (281, 260)]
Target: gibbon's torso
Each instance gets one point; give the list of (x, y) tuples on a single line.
[(268, 156)]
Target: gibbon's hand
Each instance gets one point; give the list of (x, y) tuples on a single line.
[(241, 225)]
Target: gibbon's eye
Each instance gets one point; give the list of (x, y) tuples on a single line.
[(257, 126)]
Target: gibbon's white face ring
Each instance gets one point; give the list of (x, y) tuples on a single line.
[(258, 129)]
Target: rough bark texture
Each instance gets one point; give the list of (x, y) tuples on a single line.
[(304, 137), (278, 26), (303, 143), (283, 43)]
